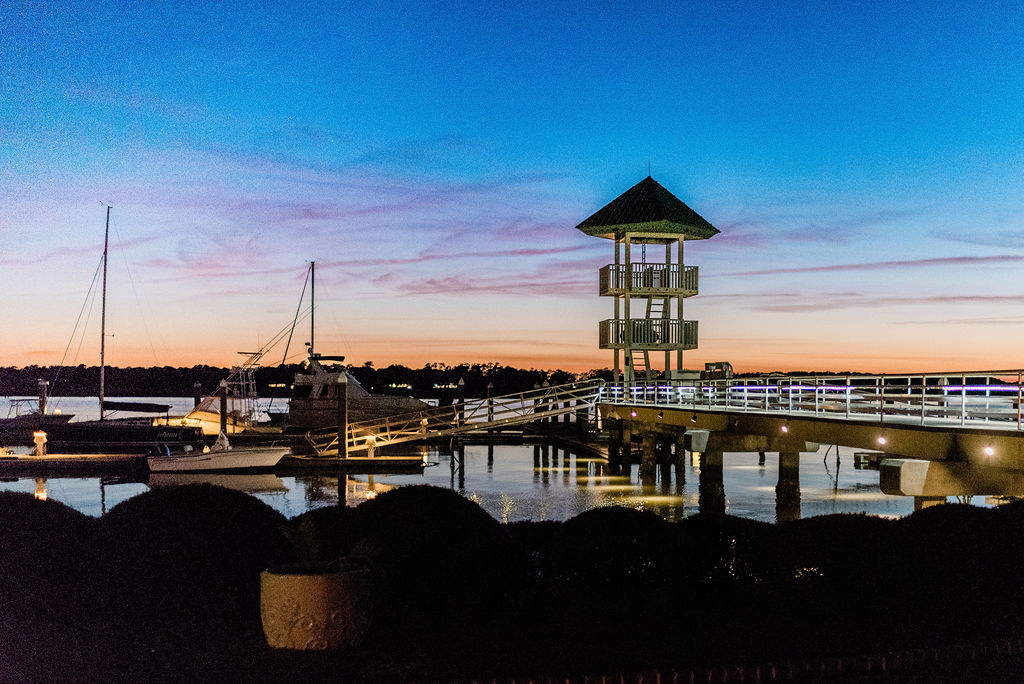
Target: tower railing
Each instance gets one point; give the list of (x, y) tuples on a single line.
[(648, 278), (648, 333), (979, 399)]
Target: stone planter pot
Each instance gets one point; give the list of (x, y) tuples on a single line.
[(315, 609)]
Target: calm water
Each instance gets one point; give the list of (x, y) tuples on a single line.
[(525, 483)]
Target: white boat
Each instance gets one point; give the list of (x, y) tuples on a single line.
[(222, 457)]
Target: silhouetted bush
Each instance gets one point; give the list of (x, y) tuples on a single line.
[(45, 554), (726, 548), (440, 561), (943, 565), (165, 587), (613, 547), (47, 557), (187, 556), (537, 540), (337, 528), (840, 550)]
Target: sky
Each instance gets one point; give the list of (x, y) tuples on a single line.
[(864, 163)]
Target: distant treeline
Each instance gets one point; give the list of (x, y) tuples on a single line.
[(434, 380)]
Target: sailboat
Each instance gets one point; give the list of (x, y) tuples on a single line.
[(122, 435), (314, 401)]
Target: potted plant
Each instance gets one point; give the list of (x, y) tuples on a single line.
[(316, 603)]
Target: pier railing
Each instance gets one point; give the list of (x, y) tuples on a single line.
[(460, 418), (978, 399)]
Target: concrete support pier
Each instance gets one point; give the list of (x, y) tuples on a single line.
[(711, 489), (614, 446), (787, 491)]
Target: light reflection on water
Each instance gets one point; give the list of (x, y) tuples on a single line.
[(521, 483)]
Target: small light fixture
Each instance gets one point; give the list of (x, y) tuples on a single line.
[(632, 413), (693, 418), (881, 441), (785, 429), (661, 414), (989, 451)]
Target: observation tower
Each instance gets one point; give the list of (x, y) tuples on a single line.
[(648, 291)]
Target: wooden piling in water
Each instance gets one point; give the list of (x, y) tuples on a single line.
[(648, 456), (787, 491)]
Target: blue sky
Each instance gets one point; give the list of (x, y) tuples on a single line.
[(864, 162)]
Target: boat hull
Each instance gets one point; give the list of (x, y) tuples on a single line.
[(229, 460), (122, 437)]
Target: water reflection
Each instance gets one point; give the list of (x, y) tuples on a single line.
[(546, 483)]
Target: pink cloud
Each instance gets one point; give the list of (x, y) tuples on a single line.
[(877, 265), (797, 303), (499, 285)]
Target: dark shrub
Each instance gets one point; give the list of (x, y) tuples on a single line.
[(820, 564), (45, 552), (945, 558), (843, 549), (613, 547), (725, 548), (609, 589), (43, 545), (190, 557), (47, 557), (337, 528), (1008, 526), (440, 561), (537, 541)]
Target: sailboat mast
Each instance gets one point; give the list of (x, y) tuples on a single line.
[(312, 303), (103, 313)]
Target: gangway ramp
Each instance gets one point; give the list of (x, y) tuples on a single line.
[(460, 418)]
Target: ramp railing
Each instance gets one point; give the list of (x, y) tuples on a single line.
[(473, 415)]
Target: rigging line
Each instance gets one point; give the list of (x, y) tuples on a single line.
[(295, 322), (298, 308), (279, 335), (90, 298), (135, 292)]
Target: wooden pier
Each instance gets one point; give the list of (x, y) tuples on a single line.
[(72, 464)]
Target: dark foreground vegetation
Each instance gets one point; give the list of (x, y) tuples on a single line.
[(165, 587)]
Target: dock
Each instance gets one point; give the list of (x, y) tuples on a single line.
[(95, 465), (297, 464), (72, 464)]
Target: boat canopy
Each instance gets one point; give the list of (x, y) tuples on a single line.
[(136, 406)]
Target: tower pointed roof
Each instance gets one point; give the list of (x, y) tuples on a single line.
[(647, 207)]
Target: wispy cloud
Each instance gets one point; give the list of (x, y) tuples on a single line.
[(500, 285), (880, 265), (451, 256), (760, 228), (846, 227), (1005, 239), (990, 320), (93, 251), (797, 302)]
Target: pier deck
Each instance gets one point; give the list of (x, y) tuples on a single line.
[(71, 464)]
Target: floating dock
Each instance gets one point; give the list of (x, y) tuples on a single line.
[(72, 464), (354, 464)]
